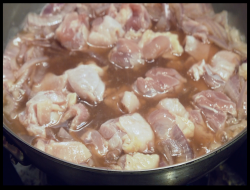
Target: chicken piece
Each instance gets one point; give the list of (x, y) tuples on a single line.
[(14, 89), (100, 71), (130, 101), (73, 151), (196, 48), (126, 54), (134, 16), (85, 81), (202, 134), (9, 60), (197, 70), (222, 66), (112, 11), (224, 63), (215, 106), (243, 70), (161, 120), (237, 42), (217, 29), (138, 161), (236, 89), (197, 30), (155, 10), (94, 138), (200, 21), (73, 31), (64, 135), (171, 140), (233, 87), (242, 102), (113, 135), (163, 23), (158, 81), (44, 26), (174, 106), (181, 115), (135, 36), (215, 100), (102, 9), (105, 32), (184, 16), (201, 69), (80, 114), (58, 9), (131, 133), (155, 44), (139, 135), (50, 82), (18, 61), (191, 10), (176, 146), (235, 129), (43, 110), (52, 8)]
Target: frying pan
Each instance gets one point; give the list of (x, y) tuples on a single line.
[(13, 16)]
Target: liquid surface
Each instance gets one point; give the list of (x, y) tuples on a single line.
[(118, 80)]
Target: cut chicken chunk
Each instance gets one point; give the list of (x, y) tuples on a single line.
[(201, 69), (105, 32), (174, 106), (73, 151), (100, 71), (224, 63), (73, 31), (86, 82), (155, 44), (113, 135), (158, 81), (44, 26), (181, 115), (43, 110), (134, 16), (235, 129), (202, 133), (133, 35), (139, 161), (172, 128), (222, 66), (197, 30), (215, 100), (236, 89), (64, 135), (215, 106), (94, 138), (161, 121), (197, 70), (130, 132), (126, 54), (130, 101), (80, 114), (196, 48), (139, 135), (243, 70), (172, 142), (50, 82)]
